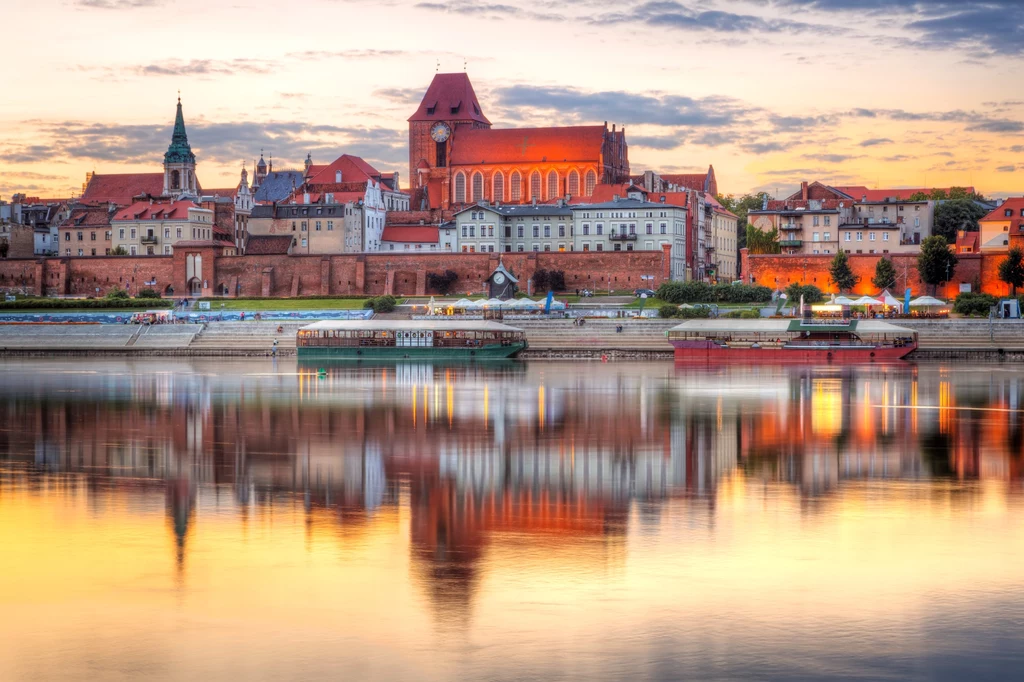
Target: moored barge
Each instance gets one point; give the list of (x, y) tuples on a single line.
[(788, 340), (400, 339)]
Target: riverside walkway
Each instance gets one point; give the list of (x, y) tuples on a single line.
[(558, 338)]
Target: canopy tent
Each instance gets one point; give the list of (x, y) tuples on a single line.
[(867, 300), (463, 303), (843, 300), (926, 302), (890, 300), (524, 304)]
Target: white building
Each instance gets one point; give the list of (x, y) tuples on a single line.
[(150, 228)]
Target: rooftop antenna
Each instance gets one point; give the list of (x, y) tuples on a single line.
[(463, 64), (437, 68)]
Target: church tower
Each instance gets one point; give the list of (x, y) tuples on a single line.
[(448, 105), (180, 162), (261, 172)]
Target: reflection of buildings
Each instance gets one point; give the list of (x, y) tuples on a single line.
[(537, 454)]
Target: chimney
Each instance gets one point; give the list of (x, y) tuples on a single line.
[(534, 201), (803, 190)]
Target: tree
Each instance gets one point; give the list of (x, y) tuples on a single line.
[(442, 283), (119, 251), (841, 273), (1011, 270), (885, 274), (918, 196), (541, 280), (760, 241), (936, 263), (955, 215)]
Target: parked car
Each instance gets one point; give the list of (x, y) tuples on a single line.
[(640, 292)]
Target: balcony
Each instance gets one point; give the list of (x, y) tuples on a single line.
[(791, 226), (148, 239), (622, 237), (791, 243)]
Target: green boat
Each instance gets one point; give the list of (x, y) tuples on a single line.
[(409, 339)]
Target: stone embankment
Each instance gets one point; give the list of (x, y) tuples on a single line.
[(555, 339)]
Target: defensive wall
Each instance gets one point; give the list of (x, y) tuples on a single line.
[(200, 270), (980, 270)]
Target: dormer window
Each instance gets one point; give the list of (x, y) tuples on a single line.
[(1008, 212), (456, 107)]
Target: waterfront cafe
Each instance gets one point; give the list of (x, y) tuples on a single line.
[(492, 307)]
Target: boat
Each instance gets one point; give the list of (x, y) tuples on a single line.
[(401, 339), (791, 340)]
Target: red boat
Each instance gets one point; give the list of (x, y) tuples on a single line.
[(787, 340)]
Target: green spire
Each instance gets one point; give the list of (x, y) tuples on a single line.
[(179, 151)]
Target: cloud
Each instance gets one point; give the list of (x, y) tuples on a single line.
[(875, 141), (766, 147), (489, 10), (831, 158), (119, 4), (898, 158), (662, 142), (668, 14), (713, 139), (1006, 169), (1001, 125), (1017, 149), (202, 67)]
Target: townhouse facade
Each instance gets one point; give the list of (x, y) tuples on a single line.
[(152, 228)]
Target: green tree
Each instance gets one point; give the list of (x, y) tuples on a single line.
[(759, 241), (955, 215), (442, 282), (938, 195), (743, 205), (1011, 270), (885, 274), (936, 263), (119, 251), (918, 196), (841, 273)]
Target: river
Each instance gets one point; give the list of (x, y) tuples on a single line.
[(226, 519)]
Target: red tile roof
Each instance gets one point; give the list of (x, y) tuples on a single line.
[(87, 216), (528, 145), (687, 180), (1014, 204), (267, 244), (353, 169), (859, 192), (143, 210), (448, 92), (967, 242), (121, 188), (227, 193), (412, 234), (718, 208)]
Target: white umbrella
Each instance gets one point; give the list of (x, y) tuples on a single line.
[(430, 306), (889, 300), (560, 305), (524, 303), (479, 303), (926, 302), (494, 303), (843, 300), (463, 303), (867, 300)]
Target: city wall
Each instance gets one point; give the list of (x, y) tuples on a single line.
[(368, 274), (779, 271)]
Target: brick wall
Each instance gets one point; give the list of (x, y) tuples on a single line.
[(779, 271), (83, 276)]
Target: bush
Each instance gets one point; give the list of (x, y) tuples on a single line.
[(974, 304), (147, 293), (442, 283), (117, 294), (381, 304), (811, 294), (743, 315), (697, 312), (82, 303), (668, 311), (700, 292)]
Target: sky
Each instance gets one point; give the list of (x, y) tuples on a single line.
[(892, 93)]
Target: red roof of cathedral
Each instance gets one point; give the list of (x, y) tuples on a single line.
[(450, 97), (603, 193), (143, 210), (528, 145), (687, 180), (423, 234), (121, 188)]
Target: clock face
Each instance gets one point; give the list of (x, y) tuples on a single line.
[(499, 278), (440, 132)]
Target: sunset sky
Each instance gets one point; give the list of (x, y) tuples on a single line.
[(873, 92)]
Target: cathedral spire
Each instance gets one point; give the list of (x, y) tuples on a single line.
[(179, 151), (179, 161)]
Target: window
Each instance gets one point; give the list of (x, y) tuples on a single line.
[(498, 187), (179, 233), (663, 227), (815, 221), (67, 235), (167, 233), (885, 236), (465, 231), (520, 248), (106, 235), (478, 186), (871, 236), (860, 236), (460, 188), (599, 227), (586, 246), (586, 228), (330, 225), (535, 185), (304, 241), (591, 180), (167, 250), (561, 230), (573, 183), (828, 236), (536, 231), (133, 233), (304, 225), (632, 228), (649, 227), (317, 226), (490, 230), (547, 230), (516, 187), (293, 226), (600, 246), (828, 220), (520, 232), (133, 250), (536, 247), (472, 231), (552, 185), (847, 236), (814, 237)]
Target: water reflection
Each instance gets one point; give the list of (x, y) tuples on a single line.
[(573, 468)]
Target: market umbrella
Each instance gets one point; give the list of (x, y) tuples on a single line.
[(843, 300), (430, 306), (867, 300), (926, 302), (463, 303)]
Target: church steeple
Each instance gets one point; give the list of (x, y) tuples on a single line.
[(179, 161)]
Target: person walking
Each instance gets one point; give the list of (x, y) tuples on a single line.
[(273, 349)]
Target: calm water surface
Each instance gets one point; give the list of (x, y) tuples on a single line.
[(249, 520)]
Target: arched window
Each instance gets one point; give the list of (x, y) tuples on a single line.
[(517, 187), (175, 180), (498, 187), (588, 190), (535, 186), (460, 188), (552, 185), (574, 184), (478, 186)]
